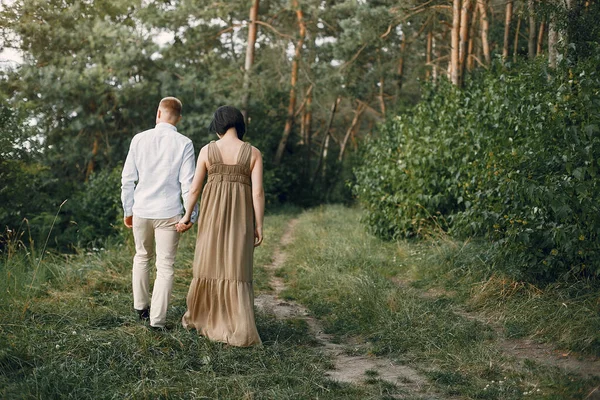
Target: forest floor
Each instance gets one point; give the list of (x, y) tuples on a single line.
[(342, 315)]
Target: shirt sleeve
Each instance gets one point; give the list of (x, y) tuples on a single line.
[(186, 175), (128, 178)]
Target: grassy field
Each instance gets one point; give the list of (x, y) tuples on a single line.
[(406, 301), (67, 329)]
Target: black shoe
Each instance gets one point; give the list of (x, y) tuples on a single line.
[(168, 326), (144, 314), (158, 328)]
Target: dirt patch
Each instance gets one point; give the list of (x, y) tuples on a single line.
[(542, 353), (520, 348), (347, 368)]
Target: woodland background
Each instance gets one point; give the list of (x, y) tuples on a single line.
[(474, 118)]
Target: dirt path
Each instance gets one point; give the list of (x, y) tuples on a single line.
[(523, 349), (542, 353), (347, 368)]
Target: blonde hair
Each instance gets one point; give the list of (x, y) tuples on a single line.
[(172, 106)]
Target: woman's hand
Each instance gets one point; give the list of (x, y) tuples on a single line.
[(258, 236), (184, 225)]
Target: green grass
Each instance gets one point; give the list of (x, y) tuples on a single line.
[(360, 287), (74, 335), (67, 329), (564, 313)]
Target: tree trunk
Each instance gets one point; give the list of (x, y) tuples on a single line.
[(516, 44), (532, 36), (436, 52), (381, 95), (428, 71), (249, 58), (485, 28), (471, 46), (324, 156), (552, 38), (294, 79), (454, 59), (92, 163), (357, 114), (464, 38), (400, 70), (381, 85), (325, 143), (308, 130), (540, 39), (509, 10)]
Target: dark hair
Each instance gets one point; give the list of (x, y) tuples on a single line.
[(228, 117)]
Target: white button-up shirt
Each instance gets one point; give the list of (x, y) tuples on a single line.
[(162, 162)]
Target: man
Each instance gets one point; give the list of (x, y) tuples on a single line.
[(161, 161)]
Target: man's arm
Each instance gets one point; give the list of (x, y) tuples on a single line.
[(186, 176), (128, 178)]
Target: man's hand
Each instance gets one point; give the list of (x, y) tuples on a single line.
[(128, 221), (183, 225), (258, 236)]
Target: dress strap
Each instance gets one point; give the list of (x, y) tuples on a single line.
[(214, 156), (245, 155)]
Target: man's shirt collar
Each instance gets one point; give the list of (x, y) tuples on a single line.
[(166, 125)]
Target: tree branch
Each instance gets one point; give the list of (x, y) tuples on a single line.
[(273, 29)]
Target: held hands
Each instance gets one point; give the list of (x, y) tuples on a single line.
[(183, 225), (258, 236)]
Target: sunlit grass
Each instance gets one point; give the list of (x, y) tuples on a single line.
[(74, 334), (362, 287)]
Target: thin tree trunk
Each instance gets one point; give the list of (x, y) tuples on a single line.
[(249, 58), (540, 39), (428, 71), (325, 144), (325, 150), (508, 18), (516, 44), (464, 38), (92, 163), (485, 28), (471, 46), (307, 115), (381, 85), (552, 38), (381, 95), (400, 70), (308, 131), (434, 69), (532, 36), (357, 114), (294, 79), (454, 59)]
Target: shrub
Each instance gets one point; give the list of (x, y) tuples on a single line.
[(513, 157)]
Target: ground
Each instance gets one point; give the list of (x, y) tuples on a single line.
[(342, 315)]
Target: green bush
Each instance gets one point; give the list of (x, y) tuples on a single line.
[(412, 171), (513, 157), (95, 209)]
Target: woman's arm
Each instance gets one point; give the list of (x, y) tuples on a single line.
[(195, 189), (258, 195)]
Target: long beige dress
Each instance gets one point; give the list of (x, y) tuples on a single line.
[(221, 298)]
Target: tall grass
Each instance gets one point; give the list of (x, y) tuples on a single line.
[(358, 286), (566, 313), (79, 337)]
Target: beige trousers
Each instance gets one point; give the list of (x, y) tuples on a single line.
[(151, 235)]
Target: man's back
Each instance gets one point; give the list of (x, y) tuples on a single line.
[(161, 160)]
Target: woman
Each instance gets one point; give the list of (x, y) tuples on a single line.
[(220, 300)]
